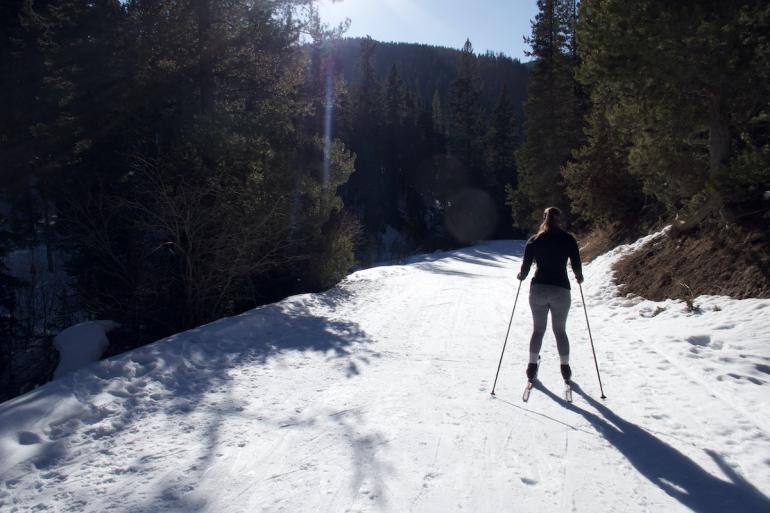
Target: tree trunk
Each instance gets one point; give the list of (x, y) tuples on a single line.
[(47, 229), (205, 56), (719, 136), (719, 152)]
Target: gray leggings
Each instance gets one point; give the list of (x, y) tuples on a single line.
[(556, 299)]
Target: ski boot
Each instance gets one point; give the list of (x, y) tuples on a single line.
[(531, 377), (566, 373), (532, 371)]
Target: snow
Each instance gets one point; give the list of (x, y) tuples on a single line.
[(374, 396), (81, 345)]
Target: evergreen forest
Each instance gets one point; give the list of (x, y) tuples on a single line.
[(165, 163)]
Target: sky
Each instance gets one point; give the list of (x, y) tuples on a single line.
[(496, 25)]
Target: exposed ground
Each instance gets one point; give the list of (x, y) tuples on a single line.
[(719, 259), (599, 241)]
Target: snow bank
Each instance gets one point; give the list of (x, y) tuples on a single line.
[(81, 344)]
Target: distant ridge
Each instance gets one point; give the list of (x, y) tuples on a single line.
[(426, 68)]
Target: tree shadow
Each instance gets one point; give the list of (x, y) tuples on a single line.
[(367, 479), (368, 466), (170, 501), (440, 268), (670, 470), (175, 378), (482, 255)]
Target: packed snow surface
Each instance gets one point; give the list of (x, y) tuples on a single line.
[(375, 396)]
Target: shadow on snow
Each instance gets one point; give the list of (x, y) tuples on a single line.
[(676, 474), (498, 254), (175, 378)]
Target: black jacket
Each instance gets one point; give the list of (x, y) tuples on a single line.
[(550, 250)]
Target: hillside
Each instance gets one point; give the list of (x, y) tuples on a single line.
[(724, 259), (426, 69), (374, 396)]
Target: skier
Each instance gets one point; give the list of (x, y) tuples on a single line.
[(550, 291)]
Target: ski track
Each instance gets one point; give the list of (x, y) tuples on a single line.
[(374, 396)]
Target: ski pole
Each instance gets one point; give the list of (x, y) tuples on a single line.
[(506, 337), (592, 342)]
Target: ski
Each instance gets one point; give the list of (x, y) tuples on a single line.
[(531, 385), (531, 377), (527, 390)]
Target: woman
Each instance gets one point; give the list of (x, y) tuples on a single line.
[(550, 290)]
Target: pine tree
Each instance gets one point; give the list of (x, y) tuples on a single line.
[(601, 190), (28, 149), (8, 339), (687, 103), (364, 192), (327, 233), (553, 118), (501, 144), (437, 114), (465, 130), (394, 144), (206, 151), (22, 99)]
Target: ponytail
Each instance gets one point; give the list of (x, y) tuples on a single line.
[(551, 217)]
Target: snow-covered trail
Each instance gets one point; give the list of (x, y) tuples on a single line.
[(374, 396)]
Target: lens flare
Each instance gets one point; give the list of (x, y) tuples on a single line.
[(327, 129), (471, 216)]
